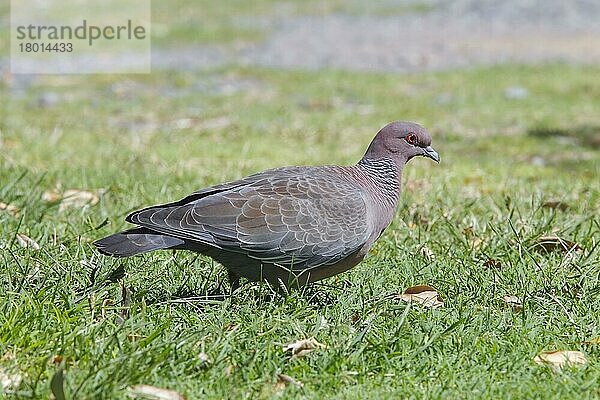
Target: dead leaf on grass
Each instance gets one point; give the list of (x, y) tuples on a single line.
[(477, 242), (472, 236), (73, 198), (9, 380), (284, 381), (469, 232), (9, 208), (59, 359), (559, 358), (554, 243), (52, 196), (514, 302), (26, 241), (79, 198), (302, 347), (423, 295), (153, 392)]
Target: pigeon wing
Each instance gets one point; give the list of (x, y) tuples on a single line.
[(298, 218)]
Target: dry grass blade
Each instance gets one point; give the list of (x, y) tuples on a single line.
[(125, 304), (592, 341), (557, 205), (559, 358), (284, 381), (302, 347), (554, 243), (153, 392), (423, 295), (26, 241)]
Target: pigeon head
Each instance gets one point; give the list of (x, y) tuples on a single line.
[(401, 141)]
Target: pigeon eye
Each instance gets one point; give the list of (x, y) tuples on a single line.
[(411, 138)]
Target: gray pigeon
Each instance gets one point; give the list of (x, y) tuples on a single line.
[(288, 226)]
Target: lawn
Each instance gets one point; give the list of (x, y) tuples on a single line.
[(520, 149), (512, 170)]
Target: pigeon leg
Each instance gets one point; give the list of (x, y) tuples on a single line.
[(234, 281)]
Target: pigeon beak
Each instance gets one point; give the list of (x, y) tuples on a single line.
[(431, 153)]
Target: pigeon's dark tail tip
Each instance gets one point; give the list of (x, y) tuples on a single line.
[(117, 245), (135, 241)]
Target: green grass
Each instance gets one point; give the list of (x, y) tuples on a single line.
[(150, 139)]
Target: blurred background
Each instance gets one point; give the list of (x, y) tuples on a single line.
[(241, 83)]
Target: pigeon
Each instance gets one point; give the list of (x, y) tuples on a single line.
[(287, 226)]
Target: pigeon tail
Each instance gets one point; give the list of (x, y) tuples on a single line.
[(135, 241)]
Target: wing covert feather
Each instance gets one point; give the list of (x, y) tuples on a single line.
[(298, 220)]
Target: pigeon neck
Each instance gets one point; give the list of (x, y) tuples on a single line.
[(385, 176), (380, 166)]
